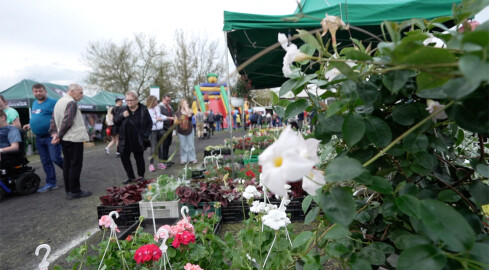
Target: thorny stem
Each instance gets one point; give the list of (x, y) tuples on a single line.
[(481, 145), (409, 131)]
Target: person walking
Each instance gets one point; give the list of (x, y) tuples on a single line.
[(134, 129), (156, 131), (166, 111), (50, 154), (185, 133), (211, 118), (12, 114), (114, 129), (67, 128), (199, 121), (218, 121)]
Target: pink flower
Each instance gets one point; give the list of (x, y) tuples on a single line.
[(190, 266), (161, 234), (105, 221)]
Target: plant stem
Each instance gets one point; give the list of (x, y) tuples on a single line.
[(321, 236), (409, 131)]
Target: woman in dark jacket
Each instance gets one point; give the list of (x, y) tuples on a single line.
[(135, 125)]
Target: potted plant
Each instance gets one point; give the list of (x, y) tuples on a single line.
[(240, 91)]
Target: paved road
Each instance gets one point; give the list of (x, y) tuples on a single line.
[(49, 218)]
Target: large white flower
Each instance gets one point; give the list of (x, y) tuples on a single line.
[(293, 54), (282, 162), (435, 106), (276, 219), (251, 192), (331, 24), (311, 150), (438, 43), (313, 181), (332, 73)]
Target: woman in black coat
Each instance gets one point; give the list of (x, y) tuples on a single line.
[(135, 125)]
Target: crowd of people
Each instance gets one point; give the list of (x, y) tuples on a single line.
[(132, 128)]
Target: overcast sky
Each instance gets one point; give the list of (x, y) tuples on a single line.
[(44, 40)]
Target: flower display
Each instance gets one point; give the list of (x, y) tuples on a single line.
[(284, 161), (261, 207), (190, 266), (105, 221), (276, 219), (146, 253)]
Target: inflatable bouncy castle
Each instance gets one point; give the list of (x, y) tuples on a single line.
[(212, 96)]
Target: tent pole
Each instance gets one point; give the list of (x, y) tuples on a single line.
[(230, 116)]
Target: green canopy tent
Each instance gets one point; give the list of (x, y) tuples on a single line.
[(20, 96), (249, 34), (108, 97)]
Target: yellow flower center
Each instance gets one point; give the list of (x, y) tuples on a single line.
[(278, 161)]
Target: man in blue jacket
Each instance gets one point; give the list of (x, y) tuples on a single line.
[(41, 113)]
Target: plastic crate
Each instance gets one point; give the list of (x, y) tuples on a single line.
[(167, 209), (233, 212), (128, 214), (192, 210), (250, 160)]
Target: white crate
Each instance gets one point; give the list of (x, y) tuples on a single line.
[(167, 209)]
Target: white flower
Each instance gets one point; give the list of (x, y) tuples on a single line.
[(276, 219), (251, 192), (439, 43), (293, 54), (282, 162), (261, 207), (313, 181), (331, 24), (435, 106), (249, 258), (311, 150)]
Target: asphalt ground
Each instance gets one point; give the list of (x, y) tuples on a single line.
[(49, 218)]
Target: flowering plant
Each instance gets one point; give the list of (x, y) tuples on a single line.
[(242, 88)]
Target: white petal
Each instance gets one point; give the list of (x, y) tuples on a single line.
[(313, 181)]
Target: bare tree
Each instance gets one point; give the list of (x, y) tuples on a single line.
[(194, 57), (133, 65)]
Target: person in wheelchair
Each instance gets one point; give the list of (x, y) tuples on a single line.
[(10, 138)]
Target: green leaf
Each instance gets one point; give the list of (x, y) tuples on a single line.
[(405, 114), (378, 132), (472, 112), (337, 232), (368, 92), (473, 69), (353, 129), (338, 206), (483, 169), (423, 163), (287, 86), (427, 80), (306, 203), (336, 249), (447, 224), (374, 255), (415, 143), (309, 39), (422, 257), (479, 254), (396, 79), (334, 108), (359, 263), (411, 240), (448, 195), (302, 239), (430, 55), (357, 55), (344, 69), (380, 185), (295, 108), (311, 215), (332, 124), (274, 98), (409, 205), (479, 193), (342, 169)]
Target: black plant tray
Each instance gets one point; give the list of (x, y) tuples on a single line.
[(128, 214)]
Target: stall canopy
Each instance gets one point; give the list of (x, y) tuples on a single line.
[(249, 34), (20, 96), (108, 97)]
